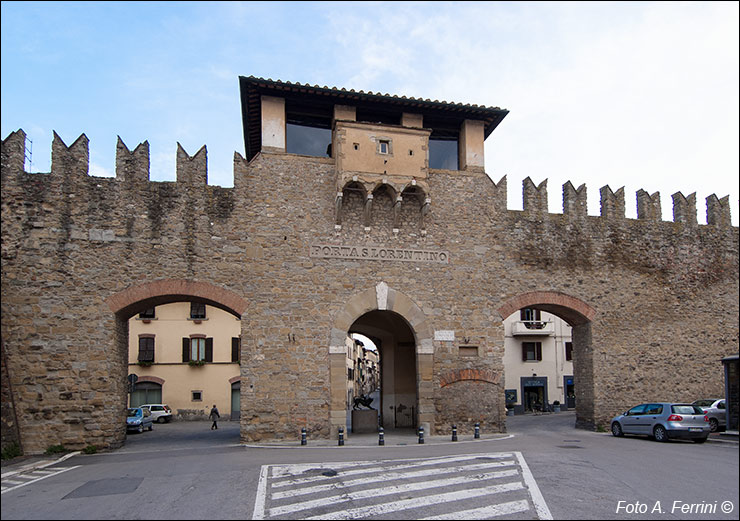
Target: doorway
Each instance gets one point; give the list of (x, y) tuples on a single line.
[(534, 393), (394, 339)]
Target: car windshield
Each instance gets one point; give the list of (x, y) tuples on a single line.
[(704, 403), (132, 413), (686, 409)]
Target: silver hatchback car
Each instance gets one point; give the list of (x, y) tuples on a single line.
[(664, 421)]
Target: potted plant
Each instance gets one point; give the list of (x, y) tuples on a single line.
[(556, 406)]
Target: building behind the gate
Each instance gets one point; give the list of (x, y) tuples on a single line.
[(350, 212)]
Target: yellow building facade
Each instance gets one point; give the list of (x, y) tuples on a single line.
[(185, 355)]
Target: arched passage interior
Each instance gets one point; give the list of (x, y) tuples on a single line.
[(138, 299), (397, 398), (579, 315)]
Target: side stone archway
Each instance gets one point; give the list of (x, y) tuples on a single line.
[(579, 316), (382, 298)]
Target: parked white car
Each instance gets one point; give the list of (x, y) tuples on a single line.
[(161, 412), (714, 408)]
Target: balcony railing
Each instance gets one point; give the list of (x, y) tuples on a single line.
[(533, 327)]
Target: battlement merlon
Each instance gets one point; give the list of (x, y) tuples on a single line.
[(132, 168)]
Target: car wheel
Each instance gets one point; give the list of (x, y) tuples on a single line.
[(660, 433), (699, 440), (713, 425), (161, 419), (617, 430), (141, 429)]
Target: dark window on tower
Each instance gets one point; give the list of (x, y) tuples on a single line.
[(531, 351), (146, 349), (307, 141), (569, 350), (147, 313), (443, 154), (308, 128)]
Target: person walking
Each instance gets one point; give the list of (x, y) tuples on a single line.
[(214, 416)]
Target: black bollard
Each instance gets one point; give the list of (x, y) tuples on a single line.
[(341, 436), (454, 433), (477, 431), (421, 435), (381, 439), (303, 436)]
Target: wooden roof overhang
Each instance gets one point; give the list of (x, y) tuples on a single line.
[(437, 114)]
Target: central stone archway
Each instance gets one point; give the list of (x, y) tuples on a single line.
[(381, 298)]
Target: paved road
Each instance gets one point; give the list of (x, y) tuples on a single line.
[(542, 467)]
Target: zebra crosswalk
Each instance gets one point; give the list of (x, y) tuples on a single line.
[(17, 479), (470, 486)]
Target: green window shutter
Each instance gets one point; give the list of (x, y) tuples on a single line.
[(209, 349), (539, 350), (524, 351), (186, 350)]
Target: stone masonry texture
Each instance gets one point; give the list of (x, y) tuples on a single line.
[(654, 304)]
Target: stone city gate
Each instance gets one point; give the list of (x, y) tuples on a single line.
[(305, 244)]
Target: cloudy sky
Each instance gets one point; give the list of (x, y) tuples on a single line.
[(637, 95)]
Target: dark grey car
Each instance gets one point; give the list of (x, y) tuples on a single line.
[(663, 421)]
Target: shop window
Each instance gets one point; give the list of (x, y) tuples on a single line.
[(146, 392)]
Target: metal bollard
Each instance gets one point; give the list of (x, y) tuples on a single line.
[(341, 436), (303, 436), (454, 433), (381, 438), (421, 435), (477, 431)]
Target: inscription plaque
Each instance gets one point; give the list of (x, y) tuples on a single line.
[(328, 251)]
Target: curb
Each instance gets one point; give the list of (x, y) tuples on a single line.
[(38, 464)]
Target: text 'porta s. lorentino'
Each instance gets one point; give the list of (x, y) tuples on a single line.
[(327, 251)]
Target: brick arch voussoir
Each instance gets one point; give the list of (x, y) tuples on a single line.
[(572, 309), (152, 379), (127, 298)]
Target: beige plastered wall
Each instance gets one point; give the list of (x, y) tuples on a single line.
[(170, 326)]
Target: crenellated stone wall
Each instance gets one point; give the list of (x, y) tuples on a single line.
[(654, 303)]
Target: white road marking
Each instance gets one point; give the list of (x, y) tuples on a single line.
[(344, 496), (539, 502), (380, 487), (512, 507), (405, 504), (292, 470), (59, 471), (385, 476), (259, 502)]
